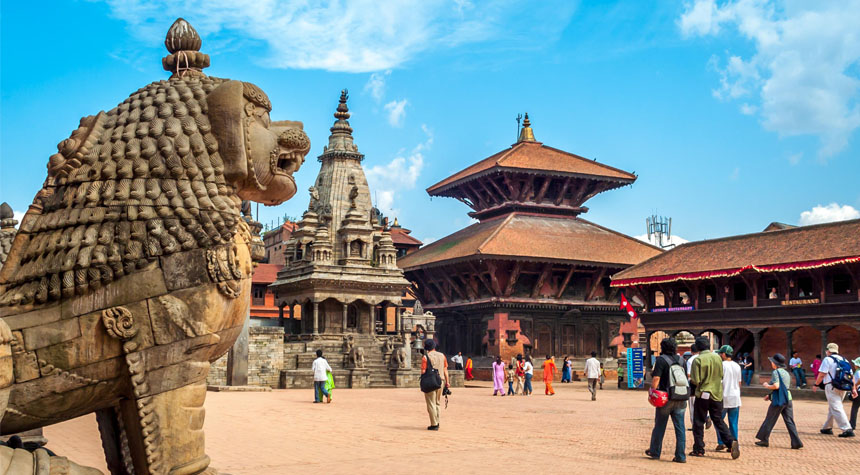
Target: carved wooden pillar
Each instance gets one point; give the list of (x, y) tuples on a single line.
[(316, 318), (372, 319), (789, 346), (756, 332), (648, 351), (345, 312), (281, 322), (397, 324), (823, 331)]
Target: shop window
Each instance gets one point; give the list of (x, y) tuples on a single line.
[(684, 297), (739, 291), (659, 299), (841, 284)]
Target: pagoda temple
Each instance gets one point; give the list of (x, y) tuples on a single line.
[(340, 268), (531, 276)]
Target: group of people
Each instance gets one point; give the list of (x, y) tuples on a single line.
[(520, 371), (459, 365), (709, 383)]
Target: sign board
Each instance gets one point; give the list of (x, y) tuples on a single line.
[(635, 368), (672, 309)]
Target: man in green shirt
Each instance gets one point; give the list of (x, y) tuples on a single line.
[(707, 375)]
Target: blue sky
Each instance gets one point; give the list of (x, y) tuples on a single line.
[(733, 113)]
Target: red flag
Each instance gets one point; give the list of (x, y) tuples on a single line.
[(625, 305)]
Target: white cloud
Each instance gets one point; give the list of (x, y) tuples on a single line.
[(396, 112), (826, 214), (18, 216), (350, 36), (803, 73), (671, 242), (795, 158), (399, 174), (376, 85)]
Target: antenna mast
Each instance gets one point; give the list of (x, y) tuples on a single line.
[(659, 230), (519, 119)]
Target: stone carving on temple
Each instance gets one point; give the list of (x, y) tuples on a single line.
[(131, 269)]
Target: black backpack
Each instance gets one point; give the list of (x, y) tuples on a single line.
[(430, 380)]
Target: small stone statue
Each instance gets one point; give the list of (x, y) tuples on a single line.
[(348, 342), (356, 357), (388, 346), (400, 358)]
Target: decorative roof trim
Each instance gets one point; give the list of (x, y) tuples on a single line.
[(786, 267)]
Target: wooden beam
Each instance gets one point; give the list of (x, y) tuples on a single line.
[(502, 194), (512, 280), (564, 282), (578, 193), (515, 191), (480, 277), (452, 286), (494, 278), (547, 268), (751, 282), (428, 289), (491, 197), (543, 188), (477, 193), (595, 284), (527, 188), (471, 284), (563, 191)]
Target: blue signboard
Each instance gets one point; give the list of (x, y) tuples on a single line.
[(635, 368)]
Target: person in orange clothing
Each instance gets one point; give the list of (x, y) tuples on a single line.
[(548, 374), (469, 376)]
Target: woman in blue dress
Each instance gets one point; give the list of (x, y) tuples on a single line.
[(565, 370)]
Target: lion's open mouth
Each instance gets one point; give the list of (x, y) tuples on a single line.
[(283, 163)]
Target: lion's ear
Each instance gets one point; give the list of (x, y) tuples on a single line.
[(225, 115)]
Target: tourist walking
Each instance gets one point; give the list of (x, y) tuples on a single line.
[(469, 375), (780, 404), (511, 376), (498, 376), (548, 374), (321, 369), (602, 375), (707, 375), (748, 369), (674, 409), (855, 400), (439, 363), (565, 370), (519, 370), (831, 368), (731, 393), (458, 361), (796, 366), (529, 370), (592, 373)]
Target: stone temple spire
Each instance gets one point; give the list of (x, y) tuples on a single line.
[(340, 139), (526, 134)]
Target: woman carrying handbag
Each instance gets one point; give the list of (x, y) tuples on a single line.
[(780, 403)]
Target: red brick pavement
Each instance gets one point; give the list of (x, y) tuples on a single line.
[(384, 430)]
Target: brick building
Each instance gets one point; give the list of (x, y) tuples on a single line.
[(531, 275), (275, 241), (786, 288)]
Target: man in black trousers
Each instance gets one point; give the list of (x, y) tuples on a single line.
[(707, 375)]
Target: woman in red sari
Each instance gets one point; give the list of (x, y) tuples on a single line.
[(469, 376)]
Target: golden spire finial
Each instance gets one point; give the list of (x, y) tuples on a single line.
[(396, 224), (526, 134)]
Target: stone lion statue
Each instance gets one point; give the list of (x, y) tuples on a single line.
[(130, 271), (388, 345), (356, 357), (400, 358)]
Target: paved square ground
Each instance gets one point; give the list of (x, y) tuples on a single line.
[(384, 431)]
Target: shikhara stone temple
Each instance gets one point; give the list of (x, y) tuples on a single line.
[(341, 268), (531, 276)]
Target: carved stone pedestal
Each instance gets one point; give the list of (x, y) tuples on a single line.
[(359, 378), (405, 378)]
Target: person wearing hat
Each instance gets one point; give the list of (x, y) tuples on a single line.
[(731, 393), (779, 379), (707, 375), (673, 409), (836, 412), (855, 404)]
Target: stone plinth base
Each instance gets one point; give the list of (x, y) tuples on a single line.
[(359, 378), (405, 378), (456, 377), (219, 388)]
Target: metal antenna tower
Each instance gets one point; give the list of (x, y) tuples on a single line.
[(659, 230)]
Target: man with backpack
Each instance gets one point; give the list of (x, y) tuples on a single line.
[(433, 362), (707, 375), (669, 376), (835, 376)]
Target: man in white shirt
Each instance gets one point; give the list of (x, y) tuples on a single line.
[(529, 370), (321, 370), (694, 351), (592, 372), (836, 412), (731, 392), (458, 361)]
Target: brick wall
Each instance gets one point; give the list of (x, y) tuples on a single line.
[(218, 372), (265, 356)]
